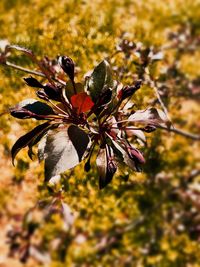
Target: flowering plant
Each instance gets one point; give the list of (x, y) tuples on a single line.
[(80, 118)]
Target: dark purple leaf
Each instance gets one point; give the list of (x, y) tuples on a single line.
[(79, 140), (128, 91), (87, 166), (135, 155), (22, 113), (131, 160), (33, 108), (26, 139), (52, 92)]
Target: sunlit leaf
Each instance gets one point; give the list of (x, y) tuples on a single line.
[(37, 139), (149, 116), (61, 153)]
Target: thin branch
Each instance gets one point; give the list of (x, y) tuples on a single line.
[(38, 73), (153, 85), (34, 72), (181, 132)]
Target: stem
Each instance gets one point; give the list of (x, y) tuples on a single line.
[(74, 86), (56, 107), (153, 85), (38, 73), (34, 72), (126, 128), (181, 132), (117, 122), (4, 112)]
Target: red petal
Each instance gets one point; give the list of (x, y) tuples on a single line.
[(82, 102)]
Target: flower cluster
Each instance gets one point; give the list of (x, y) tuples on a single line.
[(80, 118)]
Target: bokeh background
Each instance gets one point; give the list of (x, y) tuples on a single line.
[(149, 219)]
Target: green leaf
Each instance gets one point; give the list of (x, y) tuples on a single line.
[(100, 80), (64, 149)]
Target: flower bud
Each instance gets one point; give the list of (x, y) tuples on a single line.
[(111, 167), (52, 92), (32, 82), (67, 65), (135, 155), (22, 113), (128, 91), (42, 95)]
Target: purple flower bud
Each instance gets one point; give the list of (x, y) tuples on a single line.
[(67, 65), (135, 155), (52, 92), (128, 91), (42, 95), (33, 82), (22, 113), (111, 167)]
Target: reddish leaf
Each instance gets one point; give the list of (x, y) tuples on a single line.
[(82, 102)]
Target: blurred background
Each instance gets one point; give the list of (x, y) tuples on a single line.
[(149, 219)]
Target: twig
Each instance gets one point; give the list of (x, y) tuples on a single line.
[(34, 72), (180, 132), (153, 85), (38, 73)]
